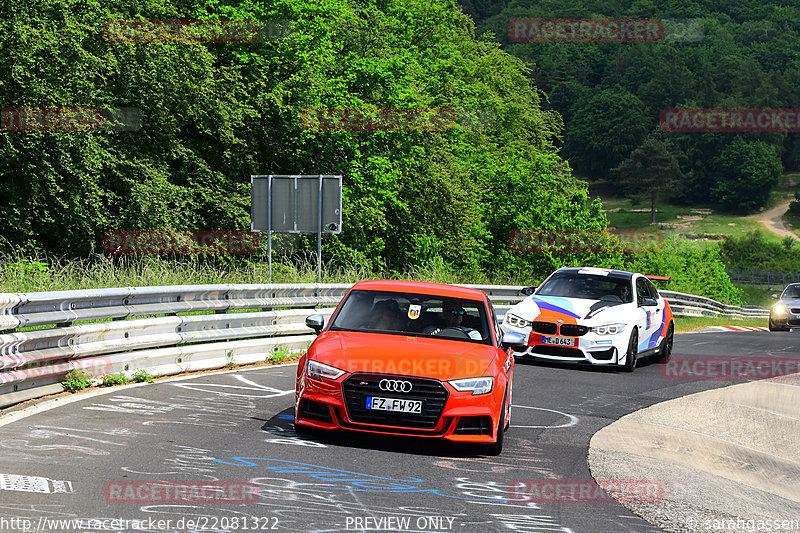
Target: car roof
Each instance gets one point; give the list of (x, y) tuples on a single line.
[(420, 287), (586, 271)]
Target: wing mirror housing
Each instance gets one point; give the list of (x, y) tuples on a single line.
[(513, 340), (315, 322), (527, 291), (774, 296)]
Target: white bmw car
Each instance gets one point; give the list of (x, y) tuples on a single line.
[(594, 316)]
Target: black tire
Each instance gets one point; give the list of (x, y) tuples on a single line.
[(771, 327), (633, 349), (665, 352), (497, 447)]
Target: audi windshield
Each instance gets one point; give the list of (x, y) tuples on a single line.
[(418, 315)]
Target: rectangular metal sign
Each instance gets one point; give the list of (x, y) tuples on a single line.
[(290, 204)]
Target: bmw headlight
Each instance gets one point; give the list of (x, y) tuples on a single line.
[(779, 309), (609, 329), (317, 370), (476, 385), (517, 321)]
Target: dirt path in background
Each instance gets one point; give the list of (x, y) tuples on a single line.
[(772, 220)]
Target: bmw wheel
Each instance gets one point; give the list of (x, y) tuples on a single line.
[(666, 347), (633, 349)]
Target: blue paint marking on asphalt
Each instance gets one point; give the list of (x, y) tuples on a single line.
[(351, 481)]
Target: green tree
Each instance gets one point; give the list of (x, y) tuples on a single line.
[(604, 130), (650, 172), (747, 171)]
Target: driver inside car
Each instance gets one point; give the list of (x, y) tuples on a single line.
[(453, 317), (623, 292)]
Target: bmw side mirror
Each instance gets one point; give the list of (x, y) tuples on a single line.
[(315, 322), (527, 291), (514, 340), (648, 302)]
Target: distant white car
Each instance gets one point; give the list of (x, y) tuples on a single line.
[(593, 316)]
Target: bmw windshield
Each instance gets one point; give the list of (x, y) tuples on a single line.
[(417, 315), (588, 287)]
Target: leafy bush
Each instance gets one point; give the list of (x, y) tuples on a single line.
[(692, 267), (76, 380), (794, 205), (141, 376), (109, 380), (754, 252)]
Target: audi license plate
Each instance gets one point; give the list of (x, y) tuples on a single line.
[(558, 341), (394, 404)]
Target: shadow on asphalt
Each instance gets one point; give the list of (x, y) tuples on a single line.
[(583, 367), (352, 439)]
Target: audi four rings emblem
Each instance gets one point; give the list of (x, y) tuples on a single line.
[(394, 385)]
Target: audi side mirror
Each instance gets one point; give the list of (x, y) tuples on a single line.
[(527, 291), (513, 340), (315, 322)]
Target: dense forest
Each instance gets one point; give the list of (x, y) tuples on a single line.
[(546, 119), (213, 113), (713, 54)]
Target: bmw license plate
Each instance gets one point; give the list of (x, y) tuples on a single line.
[(558, 341), (394, 404)]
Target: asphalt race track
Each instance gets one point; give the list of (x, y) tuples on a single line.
[(77, 461)]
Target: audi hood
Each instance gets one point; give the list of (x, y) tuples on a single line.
[(435, 358)]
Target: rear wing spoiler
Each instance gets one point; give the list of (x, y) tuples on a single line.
[(657, 278)]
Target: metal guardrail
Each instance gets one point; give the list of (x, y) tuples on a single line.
[(690, 305), (758, 277), (123, 335)]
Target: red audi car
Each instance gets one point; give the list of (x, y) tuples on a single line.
[(409, 358)]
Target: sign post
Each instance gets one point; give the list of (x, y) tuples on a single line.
[(296, 204)]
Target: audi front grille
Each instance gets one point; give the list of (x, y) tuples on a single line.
[(547, 328), (358, 387)]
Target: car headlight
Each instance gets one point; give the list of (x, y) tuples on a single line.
[(476, 385), (317, 370), (609, 329), (517, 321), (779, 309)]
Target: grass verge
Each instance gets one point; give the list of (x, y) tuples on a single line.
[(691, 323)]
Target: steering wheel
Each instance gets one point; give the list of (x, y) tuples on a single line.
[(453, 331), (610, 298)]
